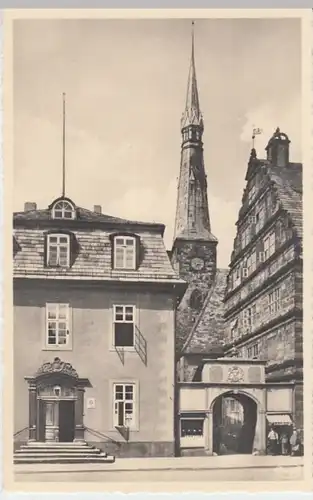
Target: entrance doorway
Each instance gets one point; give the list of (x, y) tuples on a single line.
[(56, 420), (56, 403), (234, 423), (66, 421)]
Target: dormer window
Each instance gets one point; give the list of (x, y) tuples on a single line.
[(63, 209), (125, 252), (58, 250)]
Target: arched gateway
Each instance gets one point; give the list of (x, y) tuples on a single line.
[(228, 407), (56, 403), (234, 415)]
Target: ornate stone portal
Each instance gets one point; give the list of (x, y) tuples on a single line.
[(56, 403)]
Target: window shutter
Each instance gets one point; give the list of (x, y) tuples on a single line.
[(112, 251), (138, 252), (74, 249), (45, 250)]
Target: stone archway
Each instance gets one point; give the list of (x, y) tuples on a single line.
[(234, 425), (56, 403)]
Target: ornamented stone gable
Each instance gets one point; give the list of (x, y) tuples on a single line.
[(57, 367)]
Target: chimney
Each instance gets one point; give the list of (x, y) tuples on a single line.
[(97, 209), (30, 205)]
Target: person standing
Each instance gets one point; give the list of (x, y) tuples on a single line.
[(284, 444), (294, 443), (272, 439)]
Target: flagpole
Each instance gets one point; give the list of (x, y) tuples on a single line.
[(255, 131), (63, 149)]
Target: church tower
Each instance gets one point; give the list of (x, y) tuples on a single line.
[(194, 246)]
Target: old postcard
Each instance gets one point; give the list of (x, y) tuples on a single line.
[(154, 164)]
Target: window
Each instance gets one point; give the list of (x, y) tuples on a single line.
[(245, 237), (124, 326), (124, 252), (58, 250), (251, 263), (57, 325), (259, 219), (191, 426), (237, 276), (124, 405), (269, 245), (253, 351), (63, 210), (249, 316), (274, 301), (232, 405), (233, 329)]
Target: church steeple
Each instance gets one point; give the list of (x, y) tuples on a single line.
[(194, 248), (192, 212), (192, 114)]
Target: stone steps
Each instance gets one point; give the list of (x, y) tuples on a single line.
[(60, 453), (52, 449)]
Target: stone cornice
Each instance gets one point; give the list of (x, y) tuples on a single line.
[(176, 286)]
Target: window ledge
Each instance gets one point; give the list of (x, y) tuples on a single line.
[(131, 431), (124, 269), (124, 349), (57, 348)]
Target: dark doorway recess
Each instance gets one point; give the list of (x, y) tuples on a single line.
[(234, 423), (66, 421)]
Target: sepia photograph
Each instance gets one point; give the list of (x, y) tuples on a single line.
[(157, 250)]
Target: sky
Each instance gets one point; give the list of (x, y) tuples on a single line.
[(125, 83)]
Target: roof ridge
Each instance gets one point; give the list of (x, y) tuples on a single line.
[(85, 215)]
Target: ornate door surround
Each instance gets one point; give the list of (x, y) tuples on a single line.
[(53, 382)]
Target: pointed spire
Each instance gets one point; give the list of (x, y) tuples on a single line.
[(192, 221), (192, 114)]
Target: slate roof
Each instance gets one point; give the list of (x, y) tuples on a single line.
[(207, 334), (93, 252), (82, 214)]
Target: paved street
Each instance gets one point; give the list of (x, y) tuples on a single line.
[(225, 468)]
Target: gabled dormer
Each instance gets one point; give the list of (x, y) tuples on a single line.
[(63, 208)]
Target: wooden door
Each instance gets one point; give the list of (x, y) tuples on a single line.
[(41, 420), (66, 421)]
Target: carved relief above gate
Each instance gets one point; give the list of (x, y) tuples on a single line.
[(57, 366), (235, 375)]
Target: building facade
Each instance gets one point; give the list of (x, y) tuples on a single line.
[(94, 332), (263, 300)]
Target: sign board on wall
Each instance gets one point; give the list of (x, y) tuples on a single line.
[(279, 399), (91, 403)]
